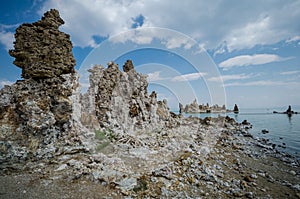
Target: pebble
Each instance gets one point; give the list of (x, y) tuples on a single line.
[(249, 195), (248, 179), (297, 187), (244, 184), (292, 172), (262, 174), (253, 176), (62, 167)]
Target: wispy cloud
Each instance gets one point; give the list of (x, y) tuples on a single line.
[(4, 82), (263, 83), (155, 76), (296, 38), (188, 77), (229, 77), (7, 39), (290, 72), (246, 60)]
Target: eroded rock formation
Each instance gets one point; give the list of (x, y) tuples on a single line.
[(41, 50), (194, 107), (36, 114), (119, 101)]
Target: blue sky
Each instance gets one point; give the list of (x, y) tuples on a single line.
[(225, 52)]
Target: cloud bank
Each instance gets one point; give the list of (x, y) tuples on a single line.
[(240, 25)]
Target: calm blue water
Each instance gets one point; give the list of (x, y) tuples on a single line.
[(283, 130)]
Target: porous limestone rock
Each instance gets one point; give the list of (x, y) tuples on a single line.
[(41, 50), (37, 113), (192, 108), (119, 101)]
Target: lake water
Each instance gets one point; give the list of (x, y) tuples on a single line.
[(283, 130)]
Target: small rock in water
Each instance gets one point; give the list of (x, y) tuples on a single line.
[(264, 131)]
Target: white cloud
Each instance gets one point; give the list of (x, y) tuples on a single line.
[(188, 77), (296, 38), (290, 72), (264, 83), (246, 60), (155, 76), (229, 77), (244, 25), (7, 39), (251, 34), (4, 82), (145, 35)]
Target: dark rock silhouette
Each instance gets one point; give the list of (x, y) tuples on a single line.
[(264, 131), (289, 111), (181, 109), (236, 109)]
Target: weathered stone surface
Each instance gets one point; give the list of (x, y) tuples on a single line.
[(192, 108), (37, 113), (128, 66), (41, 50), (120, 102)]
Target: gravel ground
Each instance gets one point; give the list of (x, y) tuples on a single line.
[(237, 166)]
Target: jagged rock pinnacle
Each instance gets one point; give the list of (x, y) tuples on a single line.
[(41, 50)]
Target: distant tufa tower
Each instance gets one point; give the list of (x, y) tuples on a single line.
[(236, 109)]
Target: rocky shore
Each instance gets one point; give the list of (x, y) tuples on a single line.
[(219, 159), (118, 141)]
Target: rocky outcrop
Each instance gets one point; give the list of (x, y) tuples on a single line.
[(194, 107), (37, 113), (41, 50), (236, 109), (119, 101), (181, 109)]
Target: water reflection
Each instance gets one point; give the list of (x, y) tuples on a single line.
[(290, 118), (236, 117)]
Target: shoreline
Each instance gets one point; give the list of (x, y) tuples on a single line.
[(227, 162), (271, 138)]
